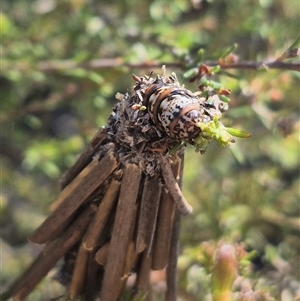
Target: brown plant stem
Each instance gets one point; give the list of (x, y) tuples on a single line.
[(97, 64), (79, 273), (84, 158), (184, 207), (148, 214), (50, 255), (102, 214), (56, 222), (143, 277), (121, 233), (162, 237), (171, 293), (101, 255)]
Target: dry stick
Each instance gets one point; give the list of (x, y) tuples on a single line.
[(79, 273), (103, 212), (184, 207), (171, 293), (51, 254), (131, 256), (92, 279), (106, 233), (143, 277), (54, 224), (148, 214), (57, 66), (121, 233), (64, 193), (101, 255), (130, 260), (20, 281), (84, 158), (163, 231)]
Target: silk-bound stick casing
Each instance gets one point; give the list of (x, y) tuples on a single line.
[(119, 210)]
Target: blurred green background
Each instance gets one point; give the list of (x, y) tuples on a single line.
[(56, 92)]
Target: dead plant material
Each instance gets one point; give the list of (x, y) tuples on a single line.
[(101, 217), (162, 237), (121, 232), (119, 210), (51, 254), (79, 274), (148, 214), (84, 159), (56, 222), (183, 206)]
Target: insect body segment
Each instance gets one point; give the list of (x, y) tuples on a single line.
[(175, 110), (181, 114)]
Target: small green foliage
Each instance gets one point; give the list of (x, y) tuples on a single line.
[(225, 52), (210, 83), (237, 133), (214, 129), (191, 73), (224, 273), (224, 98)]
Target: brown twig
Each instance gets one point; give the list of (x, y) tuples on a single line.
[(58, 66), (70, 188), (143, 277), (91, 288), (56, 222), (84, 158), (50, 255), (79, 273), (101, 255), (184, 207), (162, 237), (171, 272), (171, 293), (121, 233), (97, 64), (295, 66), (148, 214), (103, 212)]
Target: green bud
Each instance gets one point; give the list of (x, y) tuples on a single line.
[(238, 133), (224, 273), (200, 54), (191, 73), (224, 98)]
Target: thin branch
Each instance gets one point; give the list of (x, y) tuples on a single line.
[(295, 66), (79, 273), (148, 214), (101, 217), (56, 222), (143, 278), (183, 206), (50, 255), (101, 255), (162, 237), (121, 234), (171, 274), (84, 158), (56, 66)]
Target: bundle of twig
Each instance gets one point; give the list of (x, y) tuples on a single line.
[(120, 205)]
